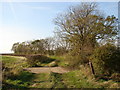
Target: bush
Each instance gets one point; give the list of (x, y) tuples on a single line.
[(75, 61), (115, 77), (36, 60), (106, 59)]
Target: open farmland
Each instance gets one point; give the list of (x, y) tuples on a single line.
[(16, 77)]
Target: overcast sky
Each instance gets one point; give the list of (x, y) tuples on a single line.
[(22, 21)]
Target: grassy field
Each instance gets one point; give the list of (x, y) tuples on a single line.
[(16, 77)]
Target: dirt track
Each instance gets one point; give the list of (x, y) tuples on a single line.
[(47, 70), (41, 69)]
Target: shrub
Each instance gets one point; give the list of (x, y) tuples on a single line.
[(74, 61), (106, 59), (36, 60), (115, 77)]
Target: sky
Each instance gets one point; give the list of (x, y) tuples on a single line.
[(24, 21)]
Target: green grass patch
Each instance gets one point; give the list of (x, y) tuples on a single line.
[(60, 60), (9, 59), (57, 80), (42, 77), (42, 80), (75, 79), (14, 61)]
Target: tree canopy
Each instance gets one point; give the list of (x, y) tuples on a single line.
[(84, 25)]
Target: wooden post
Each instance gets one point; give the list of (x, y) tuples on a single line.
[(91, 67)]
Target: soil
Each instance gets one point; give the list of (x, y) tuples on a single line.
[(46, 70)]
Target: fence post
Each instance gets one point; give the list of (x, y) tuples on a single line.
[(91, 67)]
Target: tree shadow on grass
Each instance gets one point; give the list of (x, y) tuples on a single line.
[(24, 76), (48, 60), (7, 86), (35, 60), (22, 80)]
